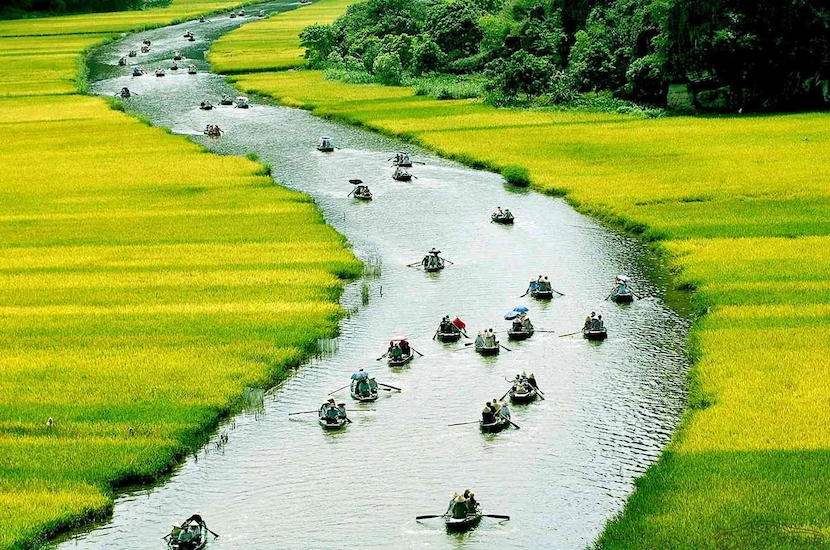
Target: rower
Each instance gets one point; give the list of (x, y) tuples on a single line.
[(396, 352), (405, 348), (499, 212), (472, 505), (487, 416), (496, 407), (507, 213), (458, 507), (360, 375), (531, 380), (504, 410), (600, 322), (479, 340)]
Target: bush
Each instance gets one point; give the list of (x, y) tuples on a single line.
[(516, 175), (387, 69)]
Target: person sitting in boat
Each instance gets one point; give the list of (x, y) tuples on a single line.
[(507, 213), (504, 410), (458, 506), (499, 212), (489, 338), (396, 352), (360, 375), (526, 324), (373, 385), (600, 322), (531, 381), (487, 415), (479, 340), (330, 410), (595, 323), (472, 503), (363, 387), (405, 349), (496, 406)]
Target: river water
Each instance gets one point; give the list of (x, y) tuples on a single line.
[(280, 482)]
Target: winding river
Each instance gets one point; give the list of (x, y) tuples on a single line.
[(280, 482)]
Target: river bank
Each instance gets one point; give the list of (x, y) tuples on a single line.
[(739, 204), (140, 296)]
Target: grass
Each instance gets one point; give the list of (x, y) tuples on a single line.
[(741, 204), (138, 298)]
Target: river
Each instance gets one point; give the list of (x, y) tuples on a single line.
[(281, 482)]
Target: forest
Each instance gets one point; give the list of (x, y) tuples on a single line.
[(724, 55), (15, 9)]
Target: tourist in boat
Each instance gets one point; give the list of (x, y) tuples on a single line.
[(531, 381), (504, 410), (360, 375), (472, 503), (526, 324), (330, 410), (487, 414), (397, 353), (507, 213), (405, 349), (499, 212), (364, 389), (600, 322), (489, 338), (479, 340), (496, 406), (458, 506)]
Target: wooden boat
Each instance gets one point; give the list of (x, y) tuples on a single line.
[(137, 71), (261, 13), (146, 42), (402, 159), (233, 15), (188, 34), (623, 297), (595, 333), (541, 294), (401, 174), (333, 423), (177, 56), (502, 219), (132, 53), (241, 13), (404, 359), (325, 145), (195, 540), (191, 69), (192, 38), (242, 102), (522, 393), (373, 393), (495, 427), (433, 267), (122, 62), (206, 105), (488, 350), (448, 337), (519, 334), (226, 100), (458, 525), (174, 66), (201, 20), (362, 193), (160, 72), (145, 48), (124, 93)]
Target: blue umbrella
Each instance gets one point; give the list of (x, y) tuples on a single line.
[(521, 309)]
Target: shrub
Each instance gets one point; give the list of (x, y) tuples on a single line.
[(516, 175), (387, 69)]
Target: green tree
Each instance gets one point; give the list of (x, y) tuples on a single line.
[(387, 69), (319, 43)]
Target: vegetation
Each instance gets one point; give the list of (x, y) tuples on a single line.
[(740, 205), (732, 54), (138, 299)]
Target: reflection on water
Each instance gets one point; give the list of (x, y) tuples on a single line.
[(280, 482)]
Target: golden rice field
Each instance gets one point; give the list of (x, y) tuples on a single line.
[(741, 204), (272, 44), (137, 299)]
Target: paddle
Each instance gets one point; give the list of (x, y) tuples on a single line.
[(463, 423), (513, 424), (416, 351), (505, 393), (416, 162), (416, 177), (612, 292), (417, 518), (556, 291), (414, 264), (508, 349), (525, 294), (540, 394), (211, 532), (571, 334), (497, 516), (382, 356), (343, 388), (449, 262), (537, 330), (469, 344), (350, 192), (465, 334), (388, 386), (634, 293), (349, 420), (304, 412), (434, 335)]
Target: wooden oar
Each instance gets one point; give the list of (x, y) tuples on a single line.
[(556, 291), (211, 532), (536, 330), (497, 516), (388, 386), (343, 388), (463, 423), (513, 423), (382, 356), (449, 262), (417, 162), (416, 351), (304, 412), (634, 293), (571, 334), (349, 420), (465, 334), (434, 335), (417, 518), (612, 292), (350, 192), (505, 393), (469, 344), (413, 264), (508, 349)]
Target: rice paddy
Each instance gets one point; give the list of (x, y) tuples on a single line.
[(139, 296), (741, 205)]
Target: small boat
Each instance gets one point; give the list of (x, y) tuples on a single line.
[(122, 62), (206, 105), (402, 159), (192, 38), (325, 145), (458, 525), (146, 42), (132, 53), (523, 333), (491, 349), (505, 218), (432, 262), (233, 15), (145, 48), (624, 296), (332, 422), (226, 100), (362, 193), (401, 174), (406, 356), (191, 69), (541, 289), (450, 336), (201, 20), (177, 56), (242, 102), (261, 13), (213, 130), (138, 71), (191, 535), (450, 331), (174, 67), (241, 13), (160, 72), (362, 396), (188, 34), (522, 393), (595, 333), (124, 93), (494, 427)]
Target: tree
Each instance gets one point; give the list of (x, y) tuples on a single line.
[(522, 74), (426, 56), (319, 43), (388, 69), (454, 27)]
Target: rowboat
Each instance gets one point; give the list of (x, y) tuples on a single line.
[(160, 72), (372, 396), (189, 536), (191, 69), (226, 100), (124, 93), (206, 105), (522, 393), (137, 71), (434, 265), (145, 48), (466, 523), (361, 192), (449, 336), (519, 334), (401, 174), (402, 361), (192, 38), (494, 427), (132, 53), (122, 61), (325, 145), (233, 15), (177, 56), (404, 358), (595, 333), (333, 423), (242, 102), (502, 219), (484, 349), (541, 294), (624, 297)]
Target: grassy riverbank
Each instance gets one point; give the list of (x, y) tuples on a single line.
[(741, 203), (138, 296)]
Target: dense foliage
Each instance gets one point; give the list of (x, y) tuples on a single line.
[(731, 54), (24, 8)]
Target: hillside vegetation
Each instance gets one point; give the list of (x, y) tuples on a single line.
[(741, 204)]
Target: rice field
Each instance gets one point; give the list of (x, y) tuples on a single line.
[(138, 298), (741, 206)]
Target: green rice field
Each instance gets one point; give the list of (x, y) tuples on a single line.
[(740, 205), (137, 299)]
